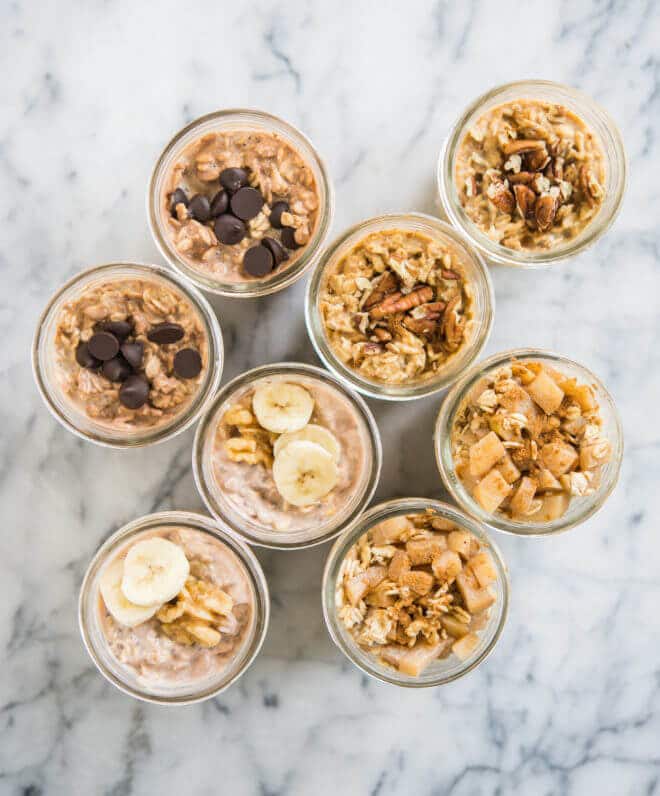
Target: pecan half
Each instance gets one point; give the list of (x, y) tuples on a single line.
[(521, 145), (384, 286), (453, 325), (525, 199), (524, 177), (545, 211), (398, 303), (422, 326)]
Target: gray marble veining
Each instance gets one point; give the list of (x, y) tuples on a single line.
[(569, 702)]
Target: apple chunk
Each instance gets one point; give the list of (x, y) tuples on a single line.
[(485, 454)]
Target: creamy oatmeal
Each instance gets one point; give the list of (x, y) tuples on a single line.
[(240, 205), (527, 439), (397, 307), (290, 453), (190, 610), (530, 174), (130, 353), (416, 588)]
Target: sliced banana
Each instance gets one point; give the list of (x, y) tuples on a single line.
[(154, 571), (304, 472), (282, 407), (312, 433), (123, 610)]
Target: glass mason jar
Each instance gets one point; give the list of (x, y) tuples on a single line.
[(476, 273), (442, 670), (579, 508), (303, 534), (239, 120), (74, 418), (595, 117), (126, 679)]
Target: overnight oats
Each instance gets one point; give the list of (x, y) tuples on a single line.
[(417, 593), (172, 611), (286, 456), (532, 170), (240, 200), (399, 306), (131, 352), (530, 437)]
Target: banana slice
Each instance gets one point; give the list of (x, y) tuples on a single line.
[(124, 611), (282, 407), (312, 433), (304, 472), (154, 571)]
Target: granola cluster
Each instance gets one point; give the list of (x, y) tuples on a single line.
[(145, 305), (397, 307), (530, 174), (416, 588), (527, 439)]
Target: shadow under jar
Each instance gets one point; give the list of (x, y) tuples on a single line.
[(240, 203), (532, 173), (399, 306), (287, 456), (529, 442), (415, 593), (196, 644), (127, 354)]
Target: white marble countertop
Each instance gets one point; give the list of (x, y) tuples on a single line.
[(569, 702)]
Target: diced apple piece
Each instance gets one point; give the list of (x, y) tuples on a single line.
[(412, 660), (521, 502), (483, 569), (453, 626), (516, 400), (422, 551), (399, 564), (547, 481), (552, 508), (447, 565), (546, 392), (581, 393), (442, 524), (379, 598), (509, 471), (364, 582), (485, 454), (419, 581), (592, 456), (465, 646), (491, 491), (475, 598), (391, 530), (460, 542), (558, 457)]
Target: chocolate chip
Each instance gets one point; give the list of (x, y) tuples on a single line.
[(219, 203), (187, 363), (165, 333), (278, 251), (103, 346), (116, 369), (276, 213), (258, 261), (246, 203), (84, 358), (233, 179), (120, 329), (134, 392), (288, 238), (200, 207), (177, 198), (133, 353), (229, 229)]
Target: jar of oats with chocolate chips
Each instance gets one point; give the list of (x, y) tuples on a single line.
[(533, 172), (399, 306)]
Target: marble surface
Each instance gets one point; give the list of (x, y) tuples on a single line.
[(569, 702)]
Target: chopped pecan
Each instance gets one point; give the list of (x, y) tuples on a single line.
[(384, 286), (537, 160), (524, 177), (501, 197), (382, 334), (453, 325), (400, 303), (521, 145), (590, 186), (425, 325), (451, 275), (545, 211), (525, 199)]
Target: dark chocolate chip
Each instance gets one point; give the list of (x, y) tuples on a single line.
[(165, 333), (233, 179), (177, 198), (134, 392), (103, 345), (187, 363), (276, 213), (246, 203), (120, 329), (219, 203), (229, 229), (258, 261), (116, 369), (133, 353), (288, 238), (278, 251), (200, 207), (84, 358)]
